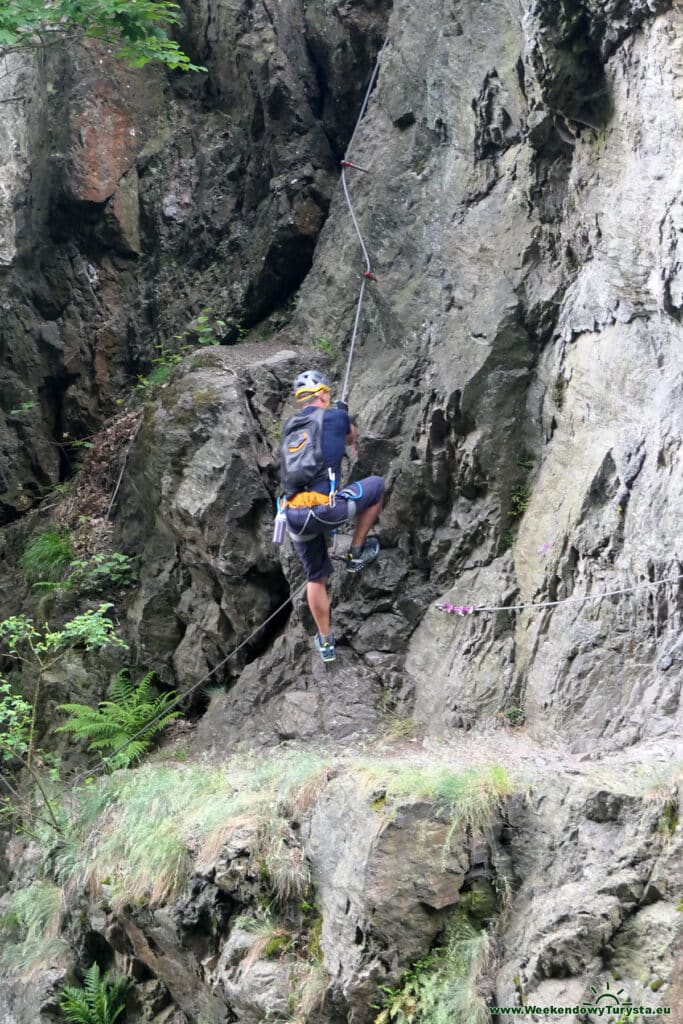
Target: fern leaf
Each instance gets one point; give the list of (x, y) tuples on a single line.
[(91, 981), (83, 719), (74, 1004), (121, 687), (144, 687), (166, 720)]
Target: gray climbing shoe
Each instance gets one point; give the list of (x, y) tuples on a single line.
[(369, 553), (324, 645)]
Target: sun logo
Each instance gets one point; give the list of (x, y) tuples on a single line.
[(613, 998)]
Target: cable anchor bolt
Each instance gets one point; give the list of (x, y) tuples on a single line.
[(356, 167)]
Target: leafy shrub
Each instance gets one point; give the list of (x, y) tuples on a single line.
[(102, 570), (119, 720), (40, 649), (137, 28), (326, 347), (99, 1001), (15, 722), (96, 573), (47, 556), (515, 716), (207, 325)]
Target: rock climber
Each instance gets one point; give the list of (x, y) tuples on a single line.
[(314, 440)]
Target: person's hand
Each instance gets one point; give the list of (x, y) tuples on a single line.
[(344, 406)]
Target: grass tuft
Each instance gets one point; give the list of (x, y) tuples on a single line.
[(145, 825), (47, 556), (309, 986), (468, 798), (29, 931), (451, 992)]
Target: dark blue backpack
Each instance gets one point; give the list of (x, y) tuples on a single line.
[(301, 459)]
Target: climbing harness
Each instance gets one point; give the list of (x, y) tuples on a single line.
[(348, 164), (469, 609)]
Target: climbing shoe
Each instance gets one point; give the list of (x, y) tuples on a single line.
[(324, 645), (368, 553)]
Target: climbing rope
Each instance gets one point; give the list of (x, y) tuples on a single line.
[(367, 275), (469, 609), (106, 761), (348, 164)]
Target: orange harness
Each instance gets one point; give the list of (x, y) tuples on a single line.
[(308, 499)]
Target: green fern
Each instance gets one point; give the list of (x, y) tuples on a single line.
[(99, 1001), (116, 721)]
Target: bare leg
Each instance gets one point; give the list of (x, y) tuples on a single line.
[(319, 603), (364, 521)]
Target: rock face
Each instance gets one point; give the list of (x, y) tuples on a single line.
[(517, 379), (515, 252), (130, 204), (577, 881), (197, 510)]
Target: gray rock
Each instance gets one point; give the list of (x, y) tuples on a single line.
[(384, 881)]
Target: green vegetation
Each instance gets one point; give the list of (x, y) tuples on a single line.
[(508, 539), (278, 943), (29, 931), (143, 832), (668, 822), (24, 407), (468, 799), (283, 868), (15, 733), (121, 720), (558, 390), (326, 347), (105, 569), (309, 985), (515, 716), (15, 722), (39, 649), (203, 331), (206, 326), (525, 461), (138, 29), (136, 828), (443, 987), (163, 365), (94, 574), (519, 500), (47, 556), (100, 1001)]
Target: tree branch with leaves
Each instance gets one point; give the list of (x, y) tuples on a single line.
[(137, 29), (39, 649)]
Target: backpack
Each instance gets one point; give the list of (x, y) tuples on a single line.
[(302, 454)]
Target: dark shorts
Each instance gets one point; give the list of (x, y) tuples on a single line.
[(315, 524)]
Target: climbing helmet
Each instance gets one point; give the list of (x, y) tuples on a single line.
[(310, 383)]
